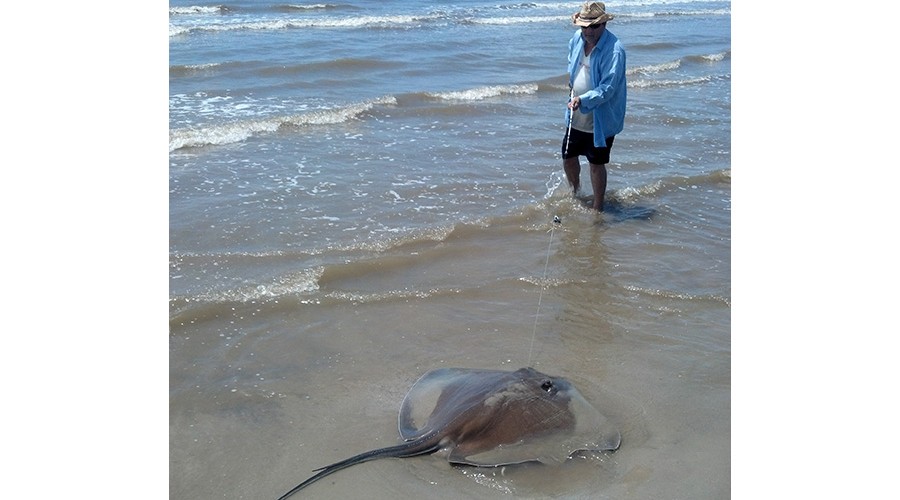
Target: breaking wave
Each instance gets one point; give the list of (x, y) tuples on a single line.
[(241, 130)]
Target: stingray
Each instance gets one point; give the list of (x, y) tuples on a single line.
[(489, 418)]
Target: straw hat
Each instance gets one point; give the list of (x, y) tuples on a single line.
[(591, 13)]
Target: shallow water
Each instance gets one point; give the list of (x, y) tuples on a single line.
[(344, 220)]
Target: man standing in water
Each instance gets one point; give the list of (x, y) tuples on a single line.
[(597, 80)]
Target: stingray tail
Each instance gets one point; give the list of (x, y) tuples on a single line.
[(422, 447)]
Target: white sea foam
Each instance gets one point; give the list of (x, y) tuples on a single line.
[(669, 294), (630, 193), (645, 84), (339, 115), (553, 183), (654, 68), (194, 68), (312, 6), (196, 9), (223, 134), (178, 30), (301, 283), (241, 130), (202, 66), (518, 20), (281, 24), (368, 298), (715, 57), (480, 93), (648, 15), (356, 22)]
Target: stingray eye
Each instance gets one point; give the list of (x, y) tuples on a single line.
[(548, 386)]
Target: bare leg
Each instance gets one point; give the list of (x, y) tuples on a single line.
[(573, 173), (598, 182)]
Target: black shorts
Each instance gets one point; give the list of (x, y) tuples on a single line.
[(583, 145)]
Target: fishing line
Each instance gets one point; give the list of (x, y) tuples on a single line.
[(550, 244), (541, 295)]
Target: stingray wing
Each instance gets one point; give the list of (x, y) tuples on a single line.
[(441, 396), (530, 426), (494, 417)]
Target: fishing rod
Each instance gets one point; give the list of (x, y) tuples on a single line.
[(569, 127)]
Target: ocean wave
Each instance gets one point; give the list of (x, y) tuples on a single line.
[(319, 282), (198, 9), (316, 6), (209, 304), (369, 298), (516, 6), (710, 12), (667, 294), (711, 57), (646, 84), (654, 68), (300, 283), (191, 69), (566, 18), (714, 177), (481, 93), (240, 121), (401, 238), (676, 64), (219, 135), (675, 13), (546, 282), (517, 20), (630, 194), (241, 130), (554, 12), (394, 21)]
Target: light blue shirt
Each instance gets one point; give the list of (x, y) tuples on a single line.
[(607, 99)]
